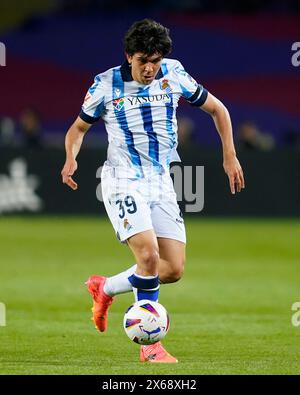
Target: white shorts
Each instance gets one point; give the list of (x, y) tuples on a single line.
[(135, 205)]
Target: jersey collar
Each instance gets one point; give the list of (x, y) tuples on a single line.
[(126, 72)]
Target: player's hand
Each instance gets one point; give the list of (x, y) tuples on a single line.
[(235, 174), (67, 172)]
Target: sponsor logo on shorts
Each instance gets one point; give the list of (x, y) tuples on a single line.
[(180, 221), (127, 225)]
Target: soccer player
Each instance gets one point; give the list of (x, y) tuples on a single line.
[(138, 102)]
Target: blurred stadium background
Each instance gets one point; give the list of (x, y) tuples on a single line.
[(232, 311)]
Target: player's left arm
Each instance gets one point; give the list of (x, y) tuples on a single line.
[(221, 117)]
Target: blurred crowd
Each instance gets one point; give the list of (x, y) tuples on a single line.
[(25, 132), (248, 136)]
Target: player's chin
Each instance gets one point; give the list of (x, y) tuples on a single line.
[(148, 80)]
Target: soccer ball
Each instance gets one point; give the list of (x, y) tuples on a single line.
[(146, 322)]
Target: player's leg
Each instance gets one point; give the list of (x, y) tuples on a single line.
[(165, 218), (168, 224), (119, 283), (169, 227), (170, 268), (145, 281), (145, 284), (142, 278), (172, 260), (130, 215)]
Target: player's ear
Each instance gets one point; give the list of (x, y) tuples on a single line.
[(129, 58)]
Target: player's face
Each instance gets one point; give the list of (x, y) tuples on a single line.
[(144, 67)]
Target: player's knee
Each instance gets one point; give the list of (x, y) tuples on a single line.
[(149, 259)]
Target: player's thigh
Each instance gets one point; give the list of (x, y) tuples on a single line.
[(169, 228), (144, 247), (172, 259), (167, 219)]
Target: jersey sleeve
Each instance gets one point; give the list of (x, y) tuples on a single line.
[(193, 92), (93, 105)]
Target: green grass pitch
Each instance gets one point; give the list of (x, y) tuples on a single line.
[(230, 314)]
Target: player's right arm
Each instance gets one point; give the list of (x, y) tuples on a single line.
[(73, 141)]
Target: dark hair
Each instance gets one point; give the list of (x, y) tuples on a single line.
[(148, 37)]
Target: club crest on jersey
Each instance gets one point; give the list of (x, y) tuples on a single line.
[(164, 85), (127, 225), (118, 104)]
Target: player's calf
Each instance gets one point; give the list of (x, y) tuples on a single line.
[(170, 273)]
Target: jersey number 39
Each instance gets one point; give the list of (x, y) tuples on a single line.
[(127, 205)]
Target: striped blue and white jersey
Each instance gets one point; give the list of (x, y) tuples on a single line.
[(141, 119)]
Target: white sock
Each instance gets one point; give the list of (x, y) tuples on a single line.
[(119, 284)]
